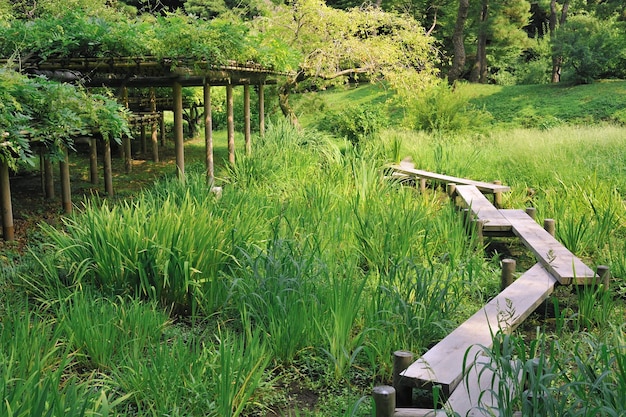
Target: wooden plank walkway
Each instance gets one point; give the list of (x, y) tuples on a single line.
[(482, 209), (449, 361), (485, 187), (443, 364), (555, 257)]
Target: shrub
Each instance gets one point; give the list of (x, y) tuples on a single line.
[(355, 123), (441, 108)]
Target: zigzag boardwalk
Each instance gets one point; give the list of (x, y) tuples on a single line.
[(446, 364)]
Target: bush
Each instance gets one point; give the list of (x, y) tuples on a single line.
[(355, 123), (444, 110)]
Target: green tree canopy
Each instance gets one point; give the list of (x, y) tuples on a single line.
[(330, 44)]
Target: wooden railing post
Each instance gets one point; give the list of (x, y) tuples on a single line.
[(422, 185), (549, 226), (604, 275), (402, 359), (384, 400), (497, 196), (532, 212), (478, 229), (508, 272)]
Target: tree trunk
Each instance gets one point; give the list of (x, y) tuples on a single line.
[(458, 60), (557, 60), (283, 101), (479, 71)]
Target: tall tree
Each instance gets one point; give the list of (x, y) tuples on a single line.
[(500, 36), (557, 58), (479, 70), (458, 43)]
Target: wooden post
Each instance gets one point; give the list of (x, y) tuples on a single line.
[(261, 110), (144, 138), (208, 134), (178, 130), (532, 212), (231, 123), (48, 178), (508, 273), (246, 118), (66, 191), (128, 154), (8, 230), (451, 189), (478, 228), (497, 196), (604, 275), (422, 185), (154, 138), (548, 225), (108, 170), (384, 400), (402, 359), (93, 160), (162, 128)]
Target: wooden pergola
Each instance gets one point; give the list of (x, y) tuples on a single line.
[(149, 72)]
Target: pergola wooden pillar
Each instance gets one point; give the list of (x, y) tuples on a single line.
[(178, 130), (230, 121), (261, 109), (126, 145), (246, 118), (66, 191), (154, 138), (8, 231), (108, 169), (208, 133), (48, 178), (93, 160)]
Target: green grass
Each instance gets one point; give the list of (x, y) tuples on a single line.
[(307, 273)]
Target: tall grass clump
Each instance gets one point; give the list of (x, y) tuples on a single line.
[(196, 374), (36, 371), (99, 329), (284, 159), (175, 250), (277, 286), (583, 377)]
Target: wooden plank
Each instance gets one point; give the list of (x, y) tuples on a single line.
[(476, 395), (493, 220), (443, 364), (484, 187), (555, 257)]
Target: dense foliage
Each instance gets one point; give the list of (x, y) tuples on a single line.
[(35, 111)]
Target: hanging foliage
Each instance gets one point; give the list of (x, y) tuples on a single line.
[(38, 111)]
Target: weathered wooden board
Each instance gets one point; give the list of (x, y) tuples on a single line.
[(484, 187), (476, 395), (555, 257), (481, 207), (443, 364)]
